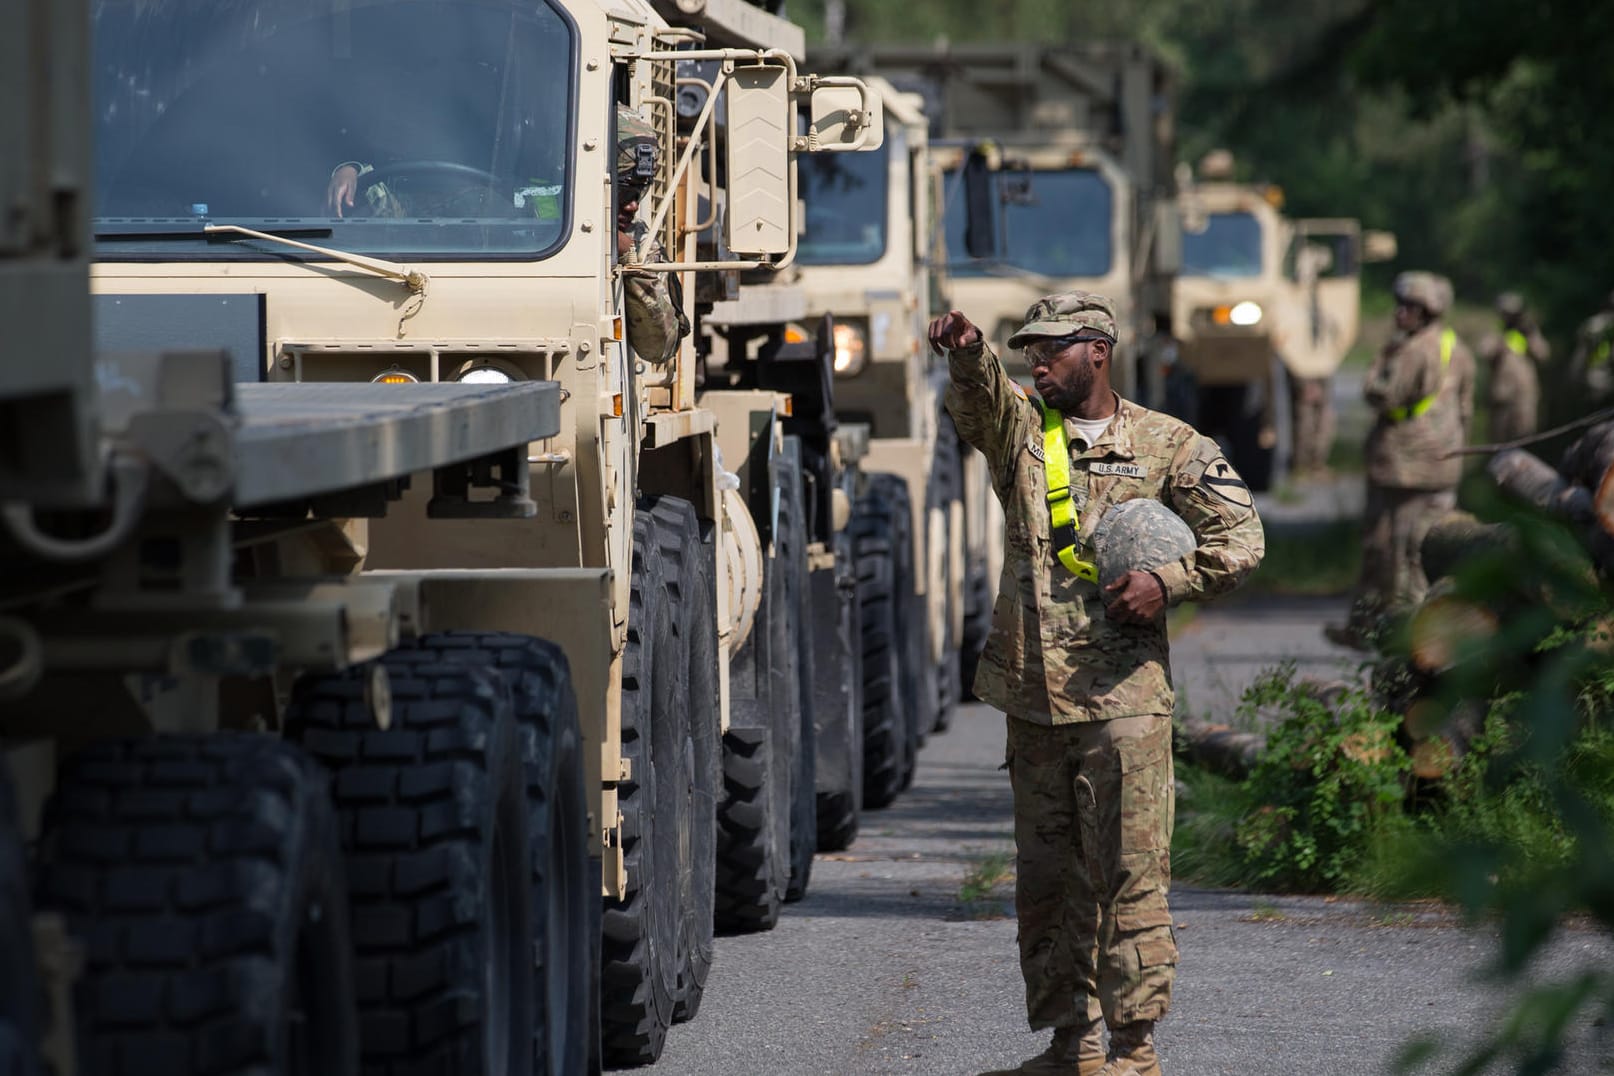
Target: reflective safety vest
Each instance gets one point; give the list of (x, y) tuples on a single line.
[(1062, 509), (1448, 340), (1515, 341)]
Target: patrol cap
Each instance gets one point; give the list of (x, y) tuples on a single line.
[(1428, 290), (1139, 535), (1064, 314), (637, 148)]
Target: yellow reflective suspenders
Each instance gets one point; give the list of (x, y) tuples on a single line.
[(1056, 463), (1448, 340), (1515, 341)]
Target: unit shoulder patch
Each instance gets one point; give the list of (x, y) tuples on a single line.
[(1222, 480)]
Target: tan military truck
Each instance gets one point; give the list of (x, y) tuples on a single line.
[(1262, 303), (868, 257), (1072, 179), (321, 796)]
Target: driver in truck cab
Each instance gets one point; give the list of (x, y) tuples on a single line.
[(655, 319)]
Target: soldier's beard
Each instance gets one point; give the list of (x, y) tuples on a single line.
[(1072, 392)]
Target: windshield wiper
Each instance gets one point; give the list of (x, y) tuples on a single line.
[(167, 232)]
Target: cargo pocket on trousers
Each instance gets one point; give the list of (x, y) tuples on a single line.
[(1158, 952), (1145, 789)]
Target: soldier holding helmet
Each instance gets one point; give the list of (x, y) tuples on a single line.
[(1083, 672)]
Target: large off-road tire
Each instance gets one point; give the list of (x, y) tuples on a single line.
[(791, 550), (761, 757), (913, 640), (565, 894), (205, 877), (947, 490), (639, 974), (977, 625), (688, 568), (839, 809), (20, 990), (885, 712), (433, 811)]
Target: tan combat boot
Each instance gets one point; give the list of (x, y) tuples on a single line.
[(1132, 1051), (1074, 1052)]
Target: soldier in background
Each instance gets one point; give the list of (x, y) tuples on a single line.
[(1421, 390), (1513, 356), (1312, 405), (1083, 673), (1590, 371)]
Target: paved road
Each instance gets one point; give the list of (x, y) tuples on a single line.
[(883, 970)]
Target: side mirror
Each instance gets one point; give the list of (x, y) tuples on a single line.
[(980, 207), (1378, 246), (761, 126), (846, 115)]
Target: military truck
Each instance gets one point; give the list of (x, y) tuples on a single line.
[(1074, 148), (868, 256), (1262, 304), (278, 590)]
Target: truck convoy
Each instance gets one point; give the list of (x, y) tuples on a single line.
[(868, 258), (1263, 304), (370, 605)]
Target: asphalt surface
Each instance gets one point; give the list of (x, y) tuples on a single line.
[(883, 968)]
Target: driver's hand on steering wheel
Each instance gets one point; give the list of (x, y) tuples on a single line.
[(344, 184)]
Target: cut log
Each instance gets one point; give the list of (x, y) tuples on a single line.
[(1221, 749), (1457, 537), (1533, 481)]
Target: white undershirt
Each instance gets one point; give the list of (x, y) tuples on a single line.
[(1092, 429)]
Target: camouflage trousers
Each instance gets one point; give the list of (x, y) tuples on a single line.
[(1394, 523), (1312, 411), (1093, 809)]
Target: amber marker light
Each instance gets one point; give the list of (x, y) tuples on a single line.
[(395, 377)]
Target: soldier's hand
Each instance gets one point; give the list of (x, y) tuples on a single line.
[(952, 331), (1135, 598), (344, 183)]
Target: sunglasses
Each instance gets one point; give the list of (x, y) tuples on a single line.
[(1048, 348)]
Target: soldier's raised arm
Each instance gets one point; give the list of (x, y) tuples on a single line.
[(1216, 504), (988, 408)]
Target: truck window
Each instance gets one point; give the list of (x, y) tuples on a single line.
[(1229, 246), (459, 113), (1056, 223), (845, 195)]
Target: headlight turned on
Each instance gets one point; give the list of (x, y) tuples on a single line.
[(395, 376), (1245, 314), (851, 349), (484, 375)]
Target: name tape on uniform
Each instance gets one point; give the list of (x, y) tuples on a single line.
[(1125, 470)]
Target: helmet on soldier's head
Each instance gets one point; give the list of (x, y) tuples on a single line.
[(1139, 535), (637, 150), (1426, 290), (1510, 304)]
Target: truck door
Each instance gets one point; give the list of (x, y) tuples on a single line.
[(1323, 265)]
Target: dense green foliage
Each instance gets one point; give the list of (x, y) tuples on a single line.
[(1475, 130)]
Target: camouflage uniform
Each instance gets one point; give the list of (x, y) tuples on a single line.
[(1088, 698), (1312, 405), (1591, 368), (655, 320), (1512, 356), (1411, 478)]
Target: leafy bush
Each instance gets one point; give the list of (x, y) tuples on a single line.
[(1331, 778)]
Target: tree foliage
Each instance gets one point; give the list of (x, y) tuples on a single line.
[(1473, 129)]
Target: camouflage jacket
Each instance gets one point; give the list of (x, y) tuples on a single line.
[(1410, 452), (1053, 656), (655, 324)]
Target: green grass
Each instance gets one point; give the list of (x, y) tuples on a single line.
[(979, 890), (1315, 560)]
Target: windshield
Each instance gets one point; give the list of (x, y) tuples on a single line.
[(453, 118), (1230, 246), (1054, 223), (845, 194)]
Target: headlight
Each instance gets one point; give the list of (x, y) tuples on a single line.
[(851, 350), (484, 375), (1245, 314), (394, 376)]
